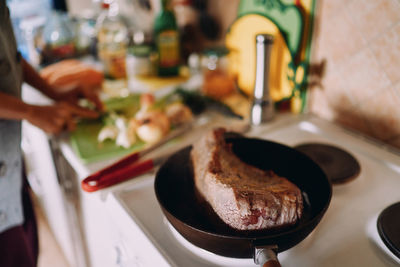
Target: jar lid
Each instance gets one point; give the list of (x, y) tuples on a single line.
[(140, 50), (218, 51)]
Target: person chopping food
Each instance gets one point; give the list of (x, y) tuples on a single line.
[(18, 234)]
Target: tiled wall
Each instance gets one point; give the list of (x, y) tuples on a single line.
[(360, 41)]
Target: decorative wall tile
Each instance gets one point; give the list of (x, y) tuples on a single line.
[(337, 92), (361, 45), (382, 111), (337, 39), (395, 142), (386, 48), (353, 119), (331, 8), (362, 76), (373, 17), (318, 104), (345, 112), (396, 89)]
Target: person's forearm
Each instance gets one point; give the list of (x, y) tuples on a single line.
[(13, 108), (32, 77)]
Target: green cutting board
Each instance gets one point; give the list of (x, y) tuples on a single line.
[(85, 144), (84, 138)]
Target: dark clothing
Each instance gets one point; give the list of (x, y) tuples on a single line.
[(18, 236), (19, 246), (11, 211)]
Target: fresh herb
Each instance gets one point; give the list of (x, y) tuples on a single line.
[(198, 103)]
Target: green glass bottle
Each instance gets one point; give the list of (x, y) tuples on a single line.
[(167, 41)]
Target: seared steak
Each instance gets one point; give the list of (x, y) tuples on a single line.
[(243, 196)]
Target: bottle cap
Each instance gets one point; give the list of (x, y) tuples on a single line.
[(264, 38)]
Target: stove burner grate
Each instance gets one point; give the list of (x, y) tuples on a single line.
[(388, 228), (339, 165)]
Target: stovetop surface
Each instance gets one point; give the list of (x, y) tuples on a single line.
[(343, 236)]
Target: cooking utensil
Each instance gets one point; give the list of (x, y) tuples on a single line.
[(97, 182), (176, 195), (129, 166)]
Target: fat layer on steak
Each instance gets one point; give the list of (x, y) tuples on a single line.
[(243, 196)]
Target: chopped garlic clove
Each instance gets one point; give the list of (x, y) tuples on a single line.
[(121, 123), (107, 132), (125, 139)]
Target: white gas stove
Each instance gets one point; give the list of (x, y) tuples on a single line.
[(346, 236), (132, 231)]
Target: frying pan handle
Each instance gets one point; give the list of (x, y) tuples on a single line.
[(272, 263), (266, 256)]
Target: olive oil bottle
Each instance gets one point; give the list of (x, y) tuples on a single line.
[(167, 41)]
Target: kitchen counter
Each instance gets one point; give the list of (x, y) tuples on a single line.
[(123, 225), (75, 216)]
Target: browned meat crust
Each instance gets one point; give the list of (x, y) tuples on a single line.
[(243, 196)]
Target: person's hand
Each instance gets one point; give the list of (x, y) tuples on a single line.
[(59, 117), (68, 80), (74, 95)]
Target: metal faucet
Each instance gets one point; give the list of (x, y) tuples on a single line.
[(262, 109)]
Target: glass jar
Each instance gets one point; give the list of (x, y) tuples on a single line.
[(218, 82), (139, 61), (85, 34), (58, 38), (112, 37)]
